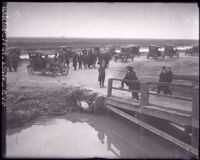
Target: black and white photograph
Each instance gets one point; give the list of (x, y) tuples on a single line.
[(101, 80)]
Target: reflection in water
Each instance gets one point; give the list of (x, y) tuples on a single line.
[(82, 136)]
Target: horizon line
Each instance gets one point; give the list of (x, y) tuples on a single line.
[(63, 37)]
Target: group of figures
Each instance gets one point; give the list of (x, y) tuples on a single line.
[(13, 61), (166, 76), (84, 59)]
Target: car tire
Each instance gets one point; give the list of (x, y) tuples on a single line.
[(64, 71)]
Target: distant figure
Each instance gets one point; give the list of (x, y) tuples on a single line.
[(85, 59), (75, 62), (67, 61), (131, 75), (56, 57), (107, 59), (102, 74), (14, 62), (169, 76), (90, 59), (80, 60), (163, 78), (94, 60)]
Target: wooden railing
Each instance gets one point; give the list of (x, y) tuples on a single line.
[(145, 92), (144, 100)]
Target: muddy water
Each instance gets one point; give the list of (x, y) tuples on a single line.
[(80, 136)]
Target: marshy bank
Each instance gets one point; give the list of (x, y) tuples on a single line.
[(26, 103)]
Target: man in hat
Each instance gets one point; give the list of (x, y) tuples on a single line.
[(163, 78), (135, 85)]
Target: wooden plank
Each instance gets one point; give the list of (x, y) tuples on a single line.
[(129, 90), (109, 92), (155, 130), (122, 105), (144, 93), (195, 116), (172, 96), (172, 117)]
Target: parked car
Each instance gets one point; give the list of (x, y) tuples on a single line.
[(40, 62), (124, 54), (67, 50), (192, 51), (170, 50), (154, 52)]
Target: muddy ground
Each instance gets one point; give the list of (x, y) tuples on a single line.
[(29, 96)]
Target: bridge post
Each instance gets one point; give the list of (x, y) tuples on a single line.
[(195, 116), (144, 93), (109, 92)]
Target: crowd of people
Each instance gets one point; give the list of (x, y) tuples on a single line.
[(12, 61), (86, 59), (89, 60)]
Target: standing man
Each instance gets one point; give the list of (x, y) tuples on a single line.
[(102, 74), (135, 85), (75, 61), (85, 59), (169, 76), (163, 78), (80, 60)]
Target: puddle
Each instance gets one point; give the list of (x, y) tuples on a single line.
[(86, 136)]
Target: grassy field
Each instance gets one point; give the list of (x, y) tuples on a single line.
[(51, 43)]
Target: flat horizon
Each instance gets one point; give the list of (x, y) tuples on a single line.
[(103, 38)]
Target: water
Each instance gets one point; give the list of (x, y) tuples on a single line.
[(82, 136)]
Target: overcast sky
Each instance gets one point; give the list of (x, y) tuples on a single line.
[(104, 20)]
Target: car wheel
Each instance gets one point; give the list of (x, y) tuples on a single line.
[(64, 71)]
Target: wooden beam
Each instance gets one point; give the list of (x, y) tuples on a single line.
[(144, 93), (109, 92), (172, 96), (155, 130), (195, 116)]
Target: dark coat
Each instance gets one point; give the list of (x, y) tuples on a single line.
[(67, 59), (163, 77), (85, 59), (169, 76), (102, 73), (131, 75), (80, 59), (74, 61)]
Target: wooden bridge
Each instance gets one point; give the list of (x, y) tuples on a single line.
[(176, 109)]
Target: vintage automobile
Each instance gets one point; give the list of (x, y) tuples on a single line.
[(154, 52), (124, 54), (14, 51), (192, 51), (40, 62), (135, 50), (170, 50), (67, 50)]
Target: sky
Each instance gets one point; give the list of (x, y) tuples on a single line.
[(103, 20)]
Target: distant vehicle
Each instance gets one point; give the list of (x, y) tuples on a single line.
[(192, 51), (40, 62), (170, 50), (14, 51), (124, 54), (154, 52), (135, 50), (67, 50)]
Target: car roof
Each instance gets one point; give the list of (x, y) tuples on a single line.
[(169, 45), (154, 46)]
